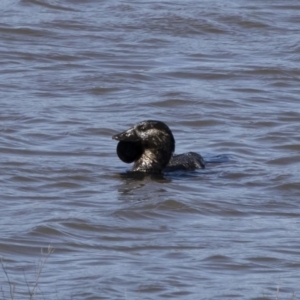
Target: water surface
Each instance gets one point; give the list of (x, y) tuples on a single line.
[(223, 75)]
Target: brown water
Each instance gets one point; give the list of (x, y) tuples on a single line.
[(224, 75)]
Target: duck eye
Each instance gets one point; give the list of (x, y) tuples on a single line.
[(142, 128)]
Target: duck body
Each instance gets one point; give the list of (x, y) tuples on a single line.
[(150, 146), (185, 162)]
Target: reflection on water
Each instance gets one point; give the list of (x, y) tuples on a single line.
[(135, 180), (223, 76)]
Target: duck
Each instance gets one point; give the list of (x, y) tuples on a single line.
[(150, 146)]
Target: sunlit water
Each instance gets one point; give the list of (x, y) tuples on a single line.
[(225, 77)]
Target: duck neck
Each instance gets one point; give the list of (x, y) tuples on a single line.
[(152, 160)]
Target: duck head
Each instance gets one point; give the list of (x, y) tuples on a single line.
[(149, 144)]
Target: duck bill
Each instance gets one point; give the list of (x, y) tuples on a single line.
[(128, 136), (129, 148)]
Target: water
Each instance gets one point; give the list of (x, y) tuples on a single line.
[(223, 75)]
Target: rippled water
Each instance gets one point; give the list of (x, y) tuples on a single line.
[(224, 75)]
